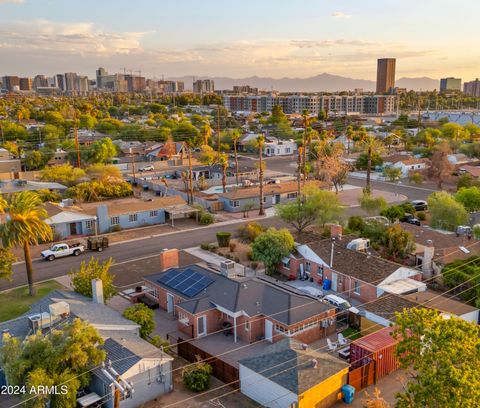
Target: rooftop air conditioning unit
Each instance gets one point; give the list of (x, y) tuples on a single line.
[(39, 321), (59, 308), (227, 268), (67, 202)]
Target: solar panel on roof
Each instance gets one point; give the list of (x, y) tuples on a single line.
[(187, 282)]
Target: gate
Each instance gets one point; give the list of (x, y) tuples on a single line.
[(362, 376)]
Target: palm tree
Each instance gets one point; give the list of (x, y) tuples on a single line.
[(349, 135), (223, 161), (370, 145), (207, 133), (24, 226), (260, 143), (235, 139)]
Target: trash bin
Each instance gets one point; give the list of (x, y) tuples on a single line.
[(327, 284), (348, 392)]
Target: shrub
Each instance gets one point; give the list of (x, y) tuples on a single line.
[(416, 178), (115, 228), (250, 255), (142, 315), (254, 265), (205, 247), (206, 219), (356, 223), (252, 230), (157, 341), (196, 377), (236, 259), (228, 256), (421, 215), (327, 232), (232, 246), (223, 239)]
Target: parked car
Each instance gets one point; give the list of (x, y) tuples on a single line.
[(61, 250), (419, 205), (464, 230), (148, 167), (340, 303), (410, 219)]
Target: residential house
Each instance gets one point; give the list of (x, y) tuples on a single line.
[(474, 171), (238, 199), (9, 164), (357, 275), (59, 157), (406, 163), (17, 186), (248, 140), (67, 220), (133, 213), (279, 148), (215, 172), (144, 367), (205, 302), (167, 151), (288, 375)]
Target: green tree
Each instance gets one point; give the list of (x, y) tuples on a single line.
[(103, 172), (466, 180), (197, 376), (370, 145), (469, 197), (35, 159), (398, 242), (82, 278), (441, 357), (87, 121), (445, 211), (11, 131), (109, 126), (393, 213), (101, 151), (464, 276), (24, 226), (416, 178), (64, 174), (56, 357), (271, 246), (370, 204), (393, 173), (143, 316)]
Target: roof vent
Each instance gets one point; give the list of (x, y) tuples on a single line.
[(227, 268), (314, 363)]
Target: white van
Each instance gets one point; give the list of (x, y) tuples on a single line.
[(340, 303)]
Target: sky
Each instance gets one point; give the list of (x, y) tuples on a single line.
[(241, 38)]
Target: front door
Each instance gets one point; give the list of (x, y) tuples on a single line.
[(169, 303), (73, 228), (334, 281), (201, 326), (268, 330)]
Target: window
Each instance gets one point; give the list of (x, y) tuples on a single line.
[(292, 195), (182, 318), (356, 287), (89, 224), (280, 329), (132, 217), (320, 272), (247, 325), (154, 213), (234, 203), (264, 199), (286, 263), (114, 220), (308, 266)]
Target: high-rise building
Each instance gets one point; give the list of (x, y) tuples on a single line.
[(40, 81), (472, 88), (11, 83), (385, 75), (203, 86), (60, 81), (26, 84), (247, 89), (450, 84), (82, 86), (71, 82), (136, 83), (100, 73)]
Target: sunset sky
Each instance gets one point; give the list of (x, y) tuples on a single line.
[(240, 38)]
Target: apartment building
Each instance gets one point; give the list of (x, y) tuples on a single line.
[(472, 88), (339, 104), (203, 86)]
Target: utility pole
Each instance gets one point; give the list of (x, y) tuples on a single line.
[(75, 132), (130, 151), (1, 132), (218, 132)]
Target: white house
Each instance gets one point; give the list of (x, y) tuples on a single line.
[(280, 148), (409, 164)]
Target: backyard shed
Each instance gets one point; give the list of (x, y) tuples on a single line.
[(378, 347)]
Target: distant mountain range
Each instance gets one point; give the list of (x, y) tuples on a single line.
[(322, 82)]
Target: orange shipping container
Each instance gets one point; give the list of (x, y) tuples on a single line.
[(379, 347)]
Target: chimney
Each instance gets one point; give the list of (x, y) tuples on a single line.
[(336, 231), (428, 253), (314, 363), (168, 259), (97, 291)]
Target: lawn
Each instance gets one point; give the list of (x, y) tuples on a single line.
[(15, 302), (351, 334)]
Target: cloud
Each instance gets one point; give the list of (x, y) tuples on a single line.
[(340, 14), (12, 1)]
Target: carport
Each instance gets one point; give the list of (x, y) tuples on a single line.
[(180, 210)]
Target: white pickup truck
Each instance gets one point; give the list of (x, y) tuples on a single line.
[(60, 250)]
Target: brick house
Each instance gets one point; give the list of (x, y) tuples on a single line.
[(206, 302), (355, 274)]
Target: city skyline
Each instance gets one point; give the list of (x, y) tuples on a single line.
[(183, 38)]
